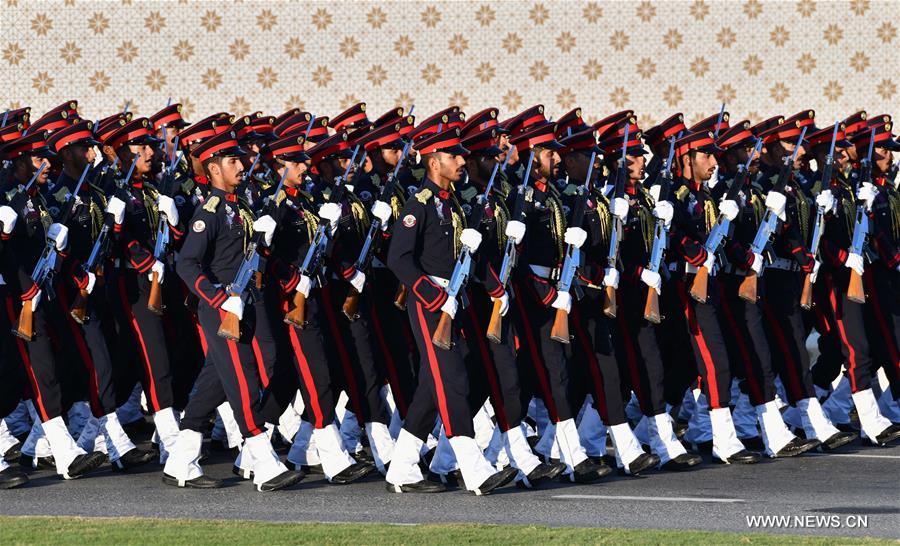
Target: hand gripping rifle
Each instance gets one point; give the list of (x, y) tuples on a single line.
[(806, 300), (96, 257), (560, 330), (660, 239), (699, 288), (618, 228), (769, 224), (46, 266), (248, 270), (168, 187), (510, 255), (314, 260), (855, 292), (351, 303)]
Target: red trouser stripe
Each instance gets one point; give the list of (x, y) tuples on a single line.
[(593, 367), (435, 371), (389, 363), (78, 335), (260, 363), (536, 359), (242, 384), (851, 353), (488, 363), (306, 375), (782, 341), (697, 334), (137, 331), (879, 317), (755, 387), (342, 354), (23, 352)]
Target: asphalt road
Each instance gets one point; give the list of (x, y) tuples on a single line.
[(860, 481)]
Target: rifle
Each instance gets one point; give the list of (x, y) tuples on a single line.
[(249, 269), (618, 228), (96, 257), (5, 116), (351, 303), (747, 290), (855, 292), (45, 266), (560, 330), (717, 234), (719, 121), (510, 255), (316, 253), (660, 239), (806, 301), (163, 235)]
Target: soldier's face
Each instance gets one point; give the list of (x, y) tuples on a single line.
[(702, 165), (802, 159), (342, 167), (169, 136), (296, 170), (882, 158), (451, 167), (548, 164), (636, 168), (79, 156), (507, 149), (144, 158), (28, 165), (391, 156), (230, 170)]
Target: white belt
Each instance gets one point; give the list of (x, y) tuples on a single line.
[(783, 264), (443, 283)]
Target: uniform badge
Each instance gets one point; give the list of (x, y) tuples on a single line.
[(54, 211), (199, 226), (365, 195), (467, 208), (566, 210), (409, 221), (179, 200)]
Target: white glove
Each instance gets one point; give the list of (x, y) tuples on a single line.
[(358, 280), (159, 268), (815, 272), (234, 305), (867, 194), (8, 218), (60, 234), (826, 200), (265, 224), (450, 307), (166, 205), (331, 212), (92, 280), (710, 262), (757, 264), (563, 301), (611, 277), (575, 236), (729, 209), (116, 207), (304, 286), (382, 211), (36, 300), (619, 208), (652, 280), (664, 211), (504, 303), (515, 230), (470, 238), (776, 202), (856, 263)]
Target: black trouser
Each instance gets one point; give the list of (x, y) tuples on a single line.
[(781, 305), (883, 292), (541, 360), (182, 332), (353, 349), (396, 356), (748, 349), (494, 372), (142, 332), (848, 320), (443, 388)]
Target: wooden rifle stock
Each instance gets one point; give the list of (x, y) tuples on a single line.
[(651, 308), (442, 334), (560, 330), (400, 297), (351, 305), (700, 286), (25, 327), (806, 299), (855, 292), (231, 326), (154, 300), (494, 334), (748, 288), (609, 302), (296, 317), (79, 307)]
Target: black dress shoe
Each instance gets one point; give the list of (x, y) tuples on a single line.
[(10, 477), (838, 439), (200, 482), (429, 455), (796, 447), (311, 469), (363, 457), (282, 481), (846, 427), (542, 473), (683, 462), (680, 428), (753, 444), (84, 463), (37, 463), (643, 462), (496, 480), (245, 474), (703, 448), (453, 478), (133, 459), (352, 473), (587, 471), (888, 435), (744, 457), (13, 453), (424, 486)]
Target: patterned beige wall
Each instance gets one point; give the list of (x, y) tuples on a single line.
[(760, 57)]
